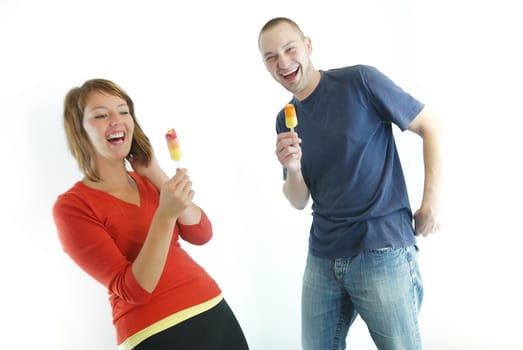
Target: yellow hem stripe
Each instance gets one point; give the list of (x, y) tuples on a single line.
[(167, 322)]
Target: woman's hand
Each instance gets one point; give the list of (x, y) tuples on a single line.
[(176, 194), (152, 171), (148, 170)]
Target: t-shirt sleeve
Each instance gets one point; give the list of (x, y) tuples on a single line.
[(391, 101), (86, 241)]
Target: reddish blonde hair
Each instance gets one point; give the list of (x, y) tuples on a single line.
[(79, 144)]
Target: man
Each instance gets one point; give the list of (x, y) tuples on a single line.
[(362, 255)]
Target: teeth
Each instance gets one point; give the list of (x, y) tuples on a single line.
[(115, 135), (293, 71)]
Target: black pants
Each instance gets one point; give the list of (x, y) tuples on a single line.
[(215, 329)]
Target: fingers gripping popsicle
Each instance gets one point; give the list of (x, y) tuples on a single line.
[(291, 120), (174, 145)]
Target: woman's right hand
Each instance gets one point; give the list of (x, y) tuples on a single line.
[(152, 171), (176, 194)]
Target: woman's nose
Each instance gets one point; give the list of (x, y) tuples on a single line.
[(114, 118)]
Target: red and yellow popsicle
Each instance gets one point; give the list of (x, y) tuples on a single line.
[(291, 120), (174, 145)]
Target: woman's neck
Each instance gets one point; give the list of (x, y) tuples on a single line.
[(112, 179)]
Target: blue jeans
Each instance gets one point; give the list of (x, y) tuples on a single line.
[(383, 286)]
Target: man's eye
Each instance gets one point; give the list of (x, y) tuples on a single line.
[(270, 58)]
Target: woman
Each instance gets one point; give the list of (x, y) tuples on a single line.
[(122, 228)]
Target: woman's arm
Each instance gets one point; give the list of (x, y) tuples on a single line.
[(175, 199)]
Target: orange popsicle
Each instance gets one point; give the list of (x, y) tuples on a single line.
[(291, 120), (174, 145)]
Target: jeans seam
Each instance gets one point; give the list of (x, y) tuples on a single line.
[(415, 302), (336, 342)]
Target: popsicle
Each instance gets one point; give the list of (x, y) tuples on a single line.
[(174, 145), (291, 120)]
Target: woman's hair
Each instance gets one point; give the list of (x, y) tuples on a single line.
[(79, 144)]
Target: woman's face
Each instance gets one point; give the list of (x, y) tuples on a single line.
[(109, 126)]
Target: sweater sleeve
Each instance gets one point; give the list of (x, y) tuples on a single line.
[(199, 233), (85, 239)]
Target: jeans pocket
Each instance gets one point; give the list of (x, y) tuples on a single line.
[(381, 250)]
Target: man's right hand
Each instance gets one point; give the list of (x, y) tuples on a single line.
[(288, 150)]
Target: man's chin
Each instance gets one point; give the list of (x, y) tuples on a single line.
[(290, 86)]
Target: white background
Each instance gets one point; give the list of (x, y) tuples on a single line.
[(195, 66)]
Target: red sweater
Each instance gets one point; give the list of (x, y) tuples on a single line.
[(104, 234)]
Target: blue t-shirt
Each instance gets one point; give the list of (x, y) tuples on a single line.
[(350, 161)]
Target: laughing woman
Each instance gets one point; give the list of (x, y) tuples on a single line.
[(123, 227)]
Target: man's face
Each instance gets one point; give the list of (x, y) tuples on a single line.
[(285, 53)]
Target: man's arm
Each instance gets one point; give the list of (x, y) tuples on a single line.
[(296, 190), (288, 151), (428, 126)]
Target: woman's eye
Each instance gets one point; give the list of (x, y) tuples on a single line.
[(124, 113), (100, 116)]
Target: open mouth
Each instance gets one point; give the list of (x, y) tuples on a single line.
[(116, 137), (289, 77)]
